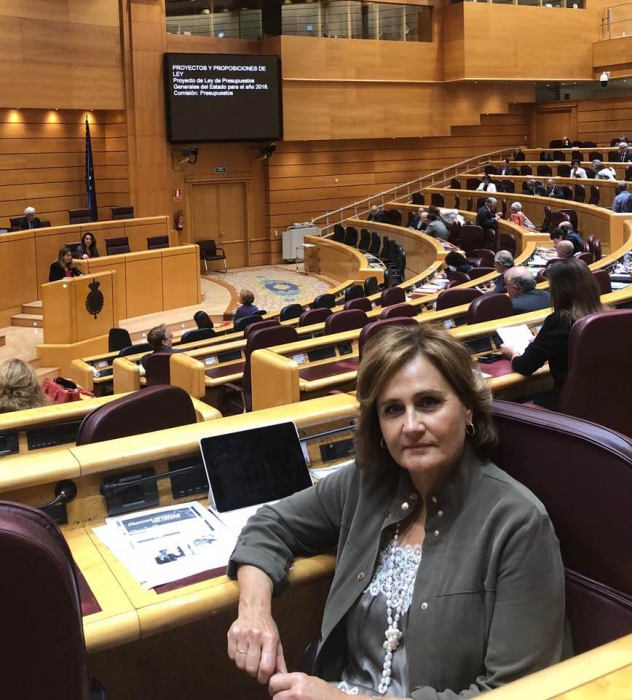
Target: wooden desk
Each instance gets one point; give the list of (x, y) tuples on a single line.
[(604, 673)]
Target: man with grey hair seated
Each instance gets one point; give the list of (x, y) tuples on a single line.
[(622, 203), (30, 220), (520, 284), (503, 261)]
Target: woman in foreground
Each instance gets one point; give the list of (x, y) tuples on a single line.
[(19, 387), (448, 580)]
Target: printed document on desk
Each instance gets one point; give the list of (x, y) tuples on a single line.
[(517, 337), (168, 544)]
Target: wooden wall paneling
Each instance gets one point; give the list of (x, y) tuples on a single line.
[(180, 277), (18, 281), (53, 64), (614, 55), (143, 272)]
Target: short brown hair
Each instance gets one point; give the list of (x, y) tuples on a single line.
[(386, 354), (156, 336), (19, 387), (246, 296)]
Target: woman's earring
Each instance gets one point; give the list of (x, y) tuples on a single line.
[(470, 429), (382, 443)]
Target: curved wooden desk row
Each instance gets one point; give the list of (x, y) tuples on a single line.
[(320, 362), (593, 221), (40, 431), (36, 249), (127, 609), (292, 372)]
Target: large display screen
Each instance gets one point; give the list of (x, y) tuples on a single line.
[(222, 97)]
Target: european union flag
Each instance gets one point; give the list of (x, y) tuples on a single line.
[(91, 185)]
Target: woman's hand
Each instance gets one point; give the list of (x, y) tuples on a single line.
[(85, 256), (253, 639), (299, 686), (508, 352)]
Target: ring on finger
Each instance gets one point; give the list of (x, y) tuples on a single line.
[(242, 651)]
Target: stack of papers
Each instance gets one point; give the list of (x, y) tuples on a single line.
[(517, 337), (168, 544)]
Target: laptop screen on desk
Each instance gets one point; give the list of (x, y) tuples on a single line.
[(254, 466)]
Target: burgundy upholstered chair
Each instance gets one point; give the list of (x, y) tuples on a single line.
[(392, 295), (489, 307), (582, 473), (599, 363), (157, 370), (312, 316), (154, 408), (456, 297), (45, 652), (268, 323), (345, 320), (477, 272), (603, 280), (471, 238), (361, 303), (399, 310), (375, 327)]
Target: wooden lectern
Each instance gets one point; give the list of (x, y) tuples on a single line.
[(77, 309)]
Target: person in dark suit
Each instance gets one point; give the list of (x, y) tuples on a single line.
[(29, 220), (503, 261), (624, 154), (376, 214), (534, 187), (506, 169), (64, 266), (553, 190), (420, 220), (520, 284), (486, 216), (574, 294)]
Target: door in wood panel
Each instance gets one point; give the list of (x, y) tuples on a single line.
[(551, 125), (233, 222), (219, 212)]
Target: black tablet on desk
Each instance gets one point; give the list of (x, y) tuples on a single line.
[(254, 466)]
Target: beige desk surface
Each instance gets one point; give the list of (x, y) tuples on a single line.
[(601, 674)]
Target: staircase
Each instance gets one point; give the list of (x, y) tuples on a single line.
[(32, 315)]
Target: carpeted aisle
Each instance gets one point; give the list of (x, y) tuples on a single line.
[(274, 287)]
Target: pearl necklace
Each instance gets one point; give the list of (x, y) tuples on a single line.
[(394, 607)]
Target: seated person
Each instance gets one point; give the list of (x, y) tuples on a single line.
[(603, 172), (246, 306), (64, 266), (487, 216), (457, 262), (506, 168), (88, 248), (577, 170), (503, 261), (161, 340), (520, 284), (376, 214), (574, 294), (451, 216), (420, 220), (553, 190), (29, 220), (564, 250), (571, 235), (421, 482), (566, 142), (624, 154), (19, 387), (518, 217), (436, 226), (534, 187), (487, 185), (202, 319), (622, 203)]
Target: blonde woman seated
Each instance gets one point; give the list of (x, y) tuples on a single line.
[(518, 217), (19, 387), (483, 606)]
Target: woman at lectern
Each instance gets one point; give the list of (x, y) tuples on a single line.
[(88, 248), (448, 581), (63, 266)]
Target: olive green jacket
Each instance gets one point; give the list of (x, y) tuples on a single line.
[(488, 601)]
